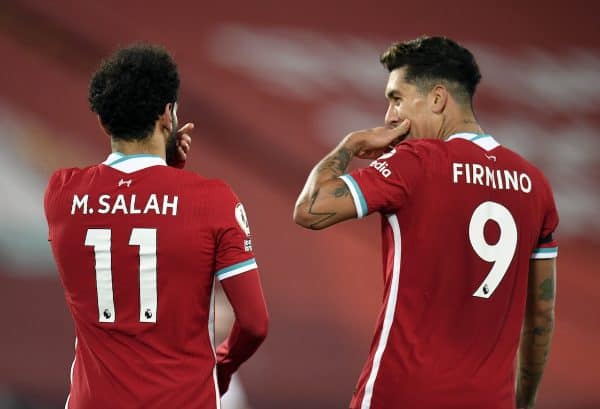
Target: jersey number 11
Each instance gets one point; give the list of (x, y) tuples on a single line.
[(100, 239)]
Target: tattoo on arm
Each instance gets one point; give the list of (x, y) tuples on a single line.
[(323, 216), (341, 191), (535, 344), (314, 200), (338, 163)]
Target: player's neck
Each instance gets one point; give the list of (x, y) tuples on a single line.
[(463, 122), (153, 145)]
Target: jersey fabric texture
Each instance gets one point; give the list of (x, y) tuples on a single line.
[(461, 220), (138, 245)]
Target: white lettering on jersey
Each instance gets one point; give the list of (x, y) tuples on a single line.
[(80, 204), (170, 205), (126, 204), (152, 205), (387, 155), (382, 167), (132, 209), (103, 201), (502, 179), (119, 205)]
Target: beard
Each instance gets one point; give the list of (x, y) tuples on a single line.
[(171, 143)]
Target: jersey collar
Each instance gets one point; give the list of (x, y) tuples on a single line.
[(133, 163), (484, 141)]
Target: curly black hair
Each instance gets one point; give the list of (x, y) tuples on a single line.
[(433, 60), (131, 89)]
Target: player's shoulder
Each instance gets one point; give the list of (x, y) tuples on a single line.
[(516, 159), (423, 147), (422, 151), (211, 188), (221, 189), (66, 176)]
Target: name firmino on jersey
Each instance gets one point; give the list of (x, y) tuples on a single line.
[(126, 204), (476, 174)]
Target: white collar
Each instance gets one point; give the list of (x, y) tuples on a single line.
[(133, 163), (484, 141)]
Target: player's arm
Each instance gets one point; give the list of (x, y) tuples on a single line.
[(249, 328), (326, 199), (537, 332)]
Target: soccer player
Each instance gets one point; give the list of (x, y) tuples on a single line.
[(467, 241), (139, 244)]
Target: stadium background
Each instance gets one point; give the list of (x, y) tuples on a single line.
[(271, 87)]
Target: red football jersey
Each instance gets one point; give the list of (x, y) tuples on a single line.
[(461, 220), (138, 245)]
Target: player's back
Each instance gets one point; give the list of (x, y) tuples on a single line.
[(457, 253), (135, 246)]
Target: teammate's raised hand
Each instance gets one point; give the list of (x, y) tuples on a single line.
[(184, 141), (372, 143), (177, 156)]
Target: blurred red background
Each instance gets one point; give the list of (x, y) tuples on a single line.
[(271, 87)]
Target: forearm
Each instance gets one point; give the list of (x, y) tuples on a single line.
[(326, 199), (323, 181), (329, 168), (533, 355), (251, 321), (538, 328), (240, 345)]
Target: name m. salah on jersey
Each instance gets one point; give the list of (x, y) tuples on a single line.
[(164, 205)]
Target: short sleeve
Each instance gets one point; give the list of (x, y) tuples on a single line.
[(388, 182), (547, 247), (234, 253)]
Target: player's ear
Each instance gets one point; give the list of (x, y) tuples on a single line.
[(104, 128), (166, 118), (438, 99)]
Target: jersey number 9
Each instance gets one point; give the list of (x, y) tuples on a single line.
[(501, 253)]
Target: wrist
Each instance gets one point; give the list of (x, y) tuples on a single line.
[(350, 143)]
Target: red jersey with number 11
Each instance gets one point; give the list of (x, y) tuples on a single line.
[(138, 245), (461, 220)]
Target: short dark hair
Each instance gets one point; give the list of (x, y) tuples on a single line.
[(131, 89), (431, 60)]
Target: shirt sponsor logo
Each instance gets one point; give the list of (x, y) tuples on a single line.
[(387, 155), (382, 167)]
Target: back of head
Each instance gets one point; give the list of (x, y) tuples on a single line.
[(131, 89), (434, 60)]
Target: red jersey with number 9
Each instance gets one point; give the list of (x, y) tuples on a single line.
[(138, 245), (461, 220)]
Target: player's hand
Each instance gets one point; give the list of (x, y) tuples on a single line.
[(183, 143), (372, 143)]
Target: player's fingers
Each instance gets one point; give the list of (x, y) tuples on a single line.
[(182, 153), (399, 131), (186, 129), (186, 138)]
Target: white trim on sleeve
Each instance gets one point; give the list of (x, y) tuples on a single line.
[(544, 253), (359, 199), (236, 269)]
